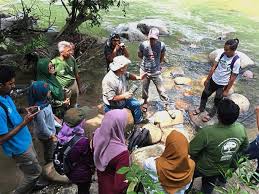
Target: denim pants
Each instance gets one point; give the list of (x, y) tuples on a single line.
[(29, 165), (253, 151), (210, 88), (133, 105)]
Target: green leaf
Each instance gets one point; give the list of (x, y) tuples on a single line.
[(123, 170)]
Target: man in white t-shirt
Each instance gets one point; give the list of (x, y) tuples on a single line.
[(221, 77)]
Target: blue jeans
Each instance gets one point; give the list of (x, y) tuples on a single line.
[(253, 151), (132, 104)]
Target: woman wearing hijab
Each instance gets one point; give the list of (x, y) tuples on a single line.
[(173, 169), (111, 152), (46, 71), (44, 124), (80, 155)]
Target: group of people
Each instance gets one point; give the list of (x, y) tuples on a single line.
[(53, 95)]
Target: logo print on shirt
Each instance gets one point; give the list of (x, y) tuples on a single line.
[(228, 148)]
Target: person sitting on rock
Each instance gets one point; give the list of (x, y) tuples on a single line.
[(67, 71), (80, 154), (115, 91), (111, 152), (113, 48), (221, 77), (253, 151), (44, 122), (59, 100), (215, 148), (15, 137), (173, 169)]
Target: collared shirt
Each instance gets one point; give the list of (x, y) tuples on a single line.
[(113, 85), (66, 71), (151, 56), (20, 142)]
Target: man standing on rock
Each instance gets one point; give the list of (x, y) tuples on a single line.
[(67, 71), (115, 91), (15, 137), (113, 48), (216, 148), (152, 53)]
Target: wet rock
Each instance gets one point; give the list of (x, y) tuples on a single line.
[(50, 173), (165, 120), (145, 25), (155, 133), (139, 155), (248, 74), (181, 104), (58, 189), (183, 81), (244, 59), (177, 73), (130, 32), (241, 101)]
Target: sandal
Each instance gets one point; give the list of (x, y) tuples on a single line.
[(144, 108), (196, 112), (206, 118)]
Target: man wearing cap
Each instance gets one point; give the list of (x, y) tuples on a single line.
[(114, 47), (115, 91), (152, 53)]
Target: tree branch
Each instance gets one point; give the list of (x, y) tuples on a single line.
[(64, 5)]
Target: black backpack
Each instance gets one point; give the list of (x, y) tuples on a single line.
[(60, 156), (138, 138)]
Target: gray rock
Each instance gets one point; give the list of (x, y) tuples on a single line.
[(183, 81), (241, 101), (145, 25), (248, 74), (130, 32)]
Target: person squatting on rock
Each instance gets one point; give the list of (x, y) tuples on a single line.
[(115, 88), (15, 137), (221, 77), (253, 150), (59, 99), (113, 48), (44, 124), (173, 169), (80, 155), (216, 148), (152, 53), (111, 152), (67, 71)]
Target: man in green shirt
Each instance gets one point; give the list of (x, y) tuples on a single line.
[(215, 147), (67, 70)]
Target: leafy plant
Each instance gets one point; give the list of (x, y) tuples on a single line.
[(136, 176)]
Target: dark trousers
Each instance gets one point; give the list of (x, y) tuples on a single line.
[(208, 182), (48, 148), (210, 88), (83, 188), (253, 152)]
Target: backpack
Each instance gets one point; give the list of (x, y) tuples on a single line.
[(236, 57), (60, 156), (138, 138), (9, 122)]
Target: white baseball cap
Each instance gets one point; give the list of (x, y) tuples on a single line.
[(153, 33), (119, 62)]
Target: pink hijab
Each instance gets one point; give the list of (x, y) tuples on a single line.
[(109, 140)]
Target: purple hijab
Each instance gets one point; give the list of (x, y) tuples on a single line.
[(109, 140), (67, 133)]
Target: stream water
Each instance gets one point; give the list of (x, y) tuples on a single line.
[(191, 22)]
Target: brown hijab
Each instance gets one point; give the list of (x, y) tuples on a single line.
[(174, 167)]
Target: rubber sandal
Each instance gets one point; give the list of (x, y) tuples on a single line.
[(206, 118), (144, 108), (196, 112)]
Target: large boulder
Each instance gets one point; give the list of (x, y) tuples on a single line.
[(51, 174), (155, 133), (248, 74), (244, 59), (139, 155), (241, 101), (145, 25), (164, 119), (130, 32), (167, 131)]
